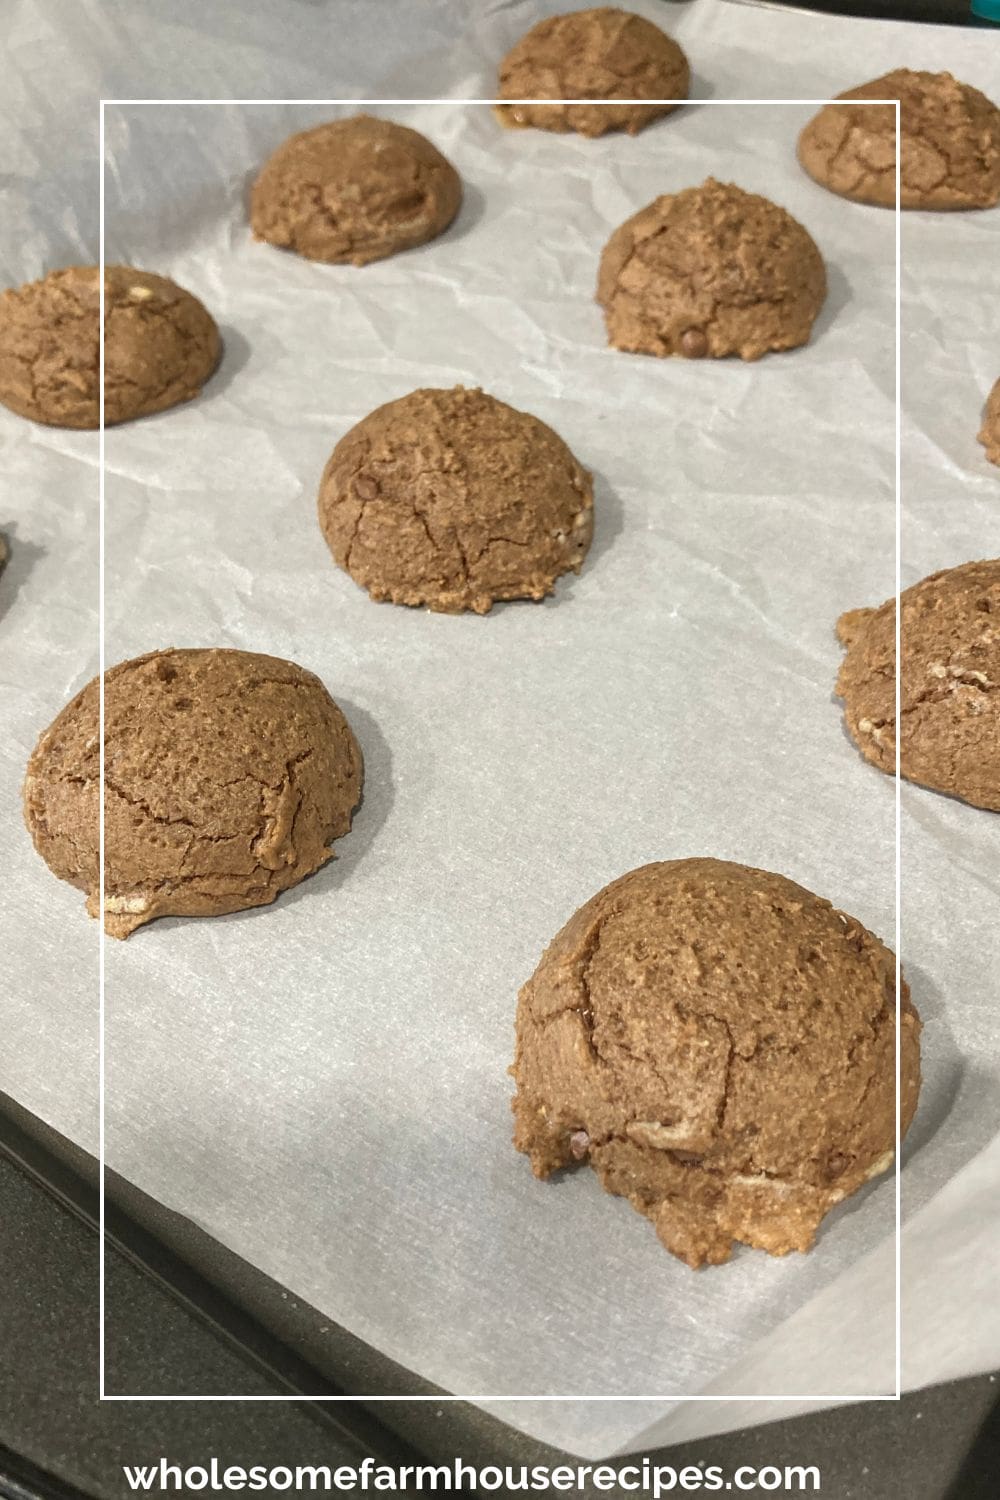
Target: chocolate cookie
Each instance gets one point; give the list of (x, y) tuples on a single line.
[(454, 500), (989, 433), (719, 1044), (710, 271), (227, 777), (592, 54), (951, 144), (160, 346), (950, 682), (353, 191)]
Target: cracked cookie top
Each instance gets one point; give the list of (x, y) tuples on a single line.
[(228, 775), (712, 271), (950, 682), (989, 433), (951, 144), (592, 54), (454, 500), (354, 191), (160, 346), (719, 1043)]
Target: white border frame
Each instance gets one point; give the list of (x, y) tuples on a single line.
[(822, 1400)]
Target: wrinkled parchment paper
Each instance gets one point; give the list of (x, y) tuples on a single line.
[(321, 1085)]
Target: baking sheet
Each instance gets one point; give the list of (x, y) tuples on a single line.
[(321, 1085)]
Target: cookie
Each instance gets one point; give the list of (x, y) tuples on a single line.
[(592, 54), (989, 433), (950, 683), (160, 346), (354, 191), (454, 500), (710, 271), (951, 144), (228, 776), (719, 1044)]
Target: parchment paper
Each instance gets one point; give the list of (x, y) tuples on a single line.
[(321, 1085)]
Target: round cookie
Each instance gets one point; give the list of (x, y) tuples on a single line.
[(160, 346), (951, 144), (719, 1044), (592, 54), (228, 775), (454, 500), (354, 191), (950, 682), (710, 271), (989, 433)]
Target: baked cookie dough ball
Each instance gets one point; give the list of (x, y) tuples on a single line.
[(950, 682), (710, 271), (592, 54), (454, 500), (160, 346), (989, 433), (228, 776), (354, 191), (951, 144), (719, 1044)]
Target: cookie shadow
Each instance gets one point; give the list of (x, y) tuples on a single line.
[(943, 1080), (838, 295), (609, 522), (699, 88), (939, 1099), (470, 213), (236, 352), (21, 558), (244, 192), (609, 518)]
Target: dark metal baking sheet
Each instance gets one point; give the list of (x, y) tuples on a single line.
[(178, 1302)]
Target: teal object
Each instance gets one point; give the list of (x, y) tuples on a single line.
[(988, 9)]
